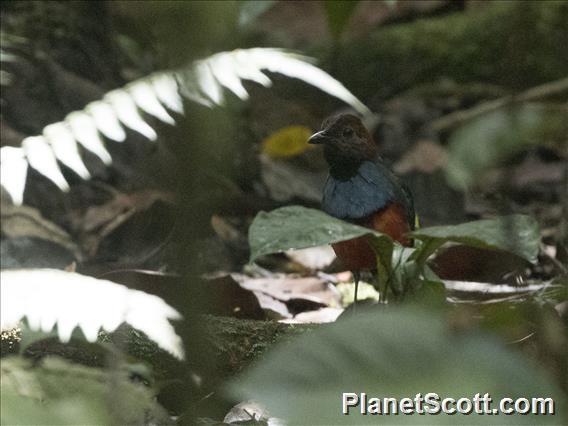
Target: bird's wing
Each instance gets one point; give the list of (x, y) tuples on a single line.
[(408, 202), (402, 193)]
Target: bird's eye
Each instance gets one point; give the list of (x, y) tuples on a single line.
[(347, 132)]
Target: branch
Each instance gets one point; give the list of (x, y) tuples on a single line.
[(450, 121)]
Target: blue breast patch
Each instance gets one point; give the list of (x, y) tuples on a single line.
[(369, 190)]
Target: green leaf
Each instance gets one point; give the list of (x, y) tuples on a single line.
[(58, 392), (19, 410), (384, 248), (517, 234), (298, 227), (339, 13), (430, 294), (391, 353), (485, 141), (403, 271)]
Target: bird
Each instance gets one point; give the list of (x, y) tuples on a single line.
[(360, 189)]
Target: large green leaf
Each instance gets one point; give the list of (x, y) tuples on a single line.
[(298, 227), (396, 353), (57, 392), (517, 234)]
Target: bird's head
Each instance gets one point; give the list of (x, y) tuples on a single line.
[(345, 141)]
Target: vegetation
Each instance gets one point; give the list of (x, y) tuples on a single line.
[(164, 255)]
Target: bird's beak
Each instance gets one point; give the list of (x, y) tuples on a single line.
[(318, 138)]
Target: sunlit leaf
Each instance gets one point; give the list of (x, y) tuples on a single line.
[(65, 148), (203, 82), (517, 234), (287, 142), (146, 99), (207, 83), (248, 70), (226, 69), (40, 157), (85, 131), (167, 90), (106, 120), (298, 66), (49, 297), (391, 353), (127, 112), (13, 172), (227, 74)]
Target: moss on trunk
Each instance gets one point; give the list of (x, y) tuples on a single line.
[(513, 44), (234, 343)]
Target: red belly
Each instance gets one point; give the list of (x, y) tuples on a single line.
[(357, 254)]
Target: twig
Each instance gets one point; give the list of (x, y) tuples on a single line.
[(456, 118), (486, 288)]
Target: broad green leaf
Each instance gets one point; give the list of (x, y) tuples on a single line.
[(57, 392), (298, 227), (485, 141), (384, 248), (431, 294), (517, 234), (19, 410), (395, 353), (339, 13), (403, 269)]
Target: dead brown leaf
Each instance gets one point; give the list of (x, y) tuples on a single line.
[(24, 221), (320, 316), (288, 287), (425, 156), (313, 257), (225, 230), (228, 298), (100, 221), (286, 180), (464, 263)]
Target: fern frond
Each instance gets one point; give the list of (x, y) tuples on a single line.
[(156, 95), (49, 297)]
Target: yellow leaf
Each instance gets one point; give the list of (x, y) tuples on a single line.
[(287, 142)]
